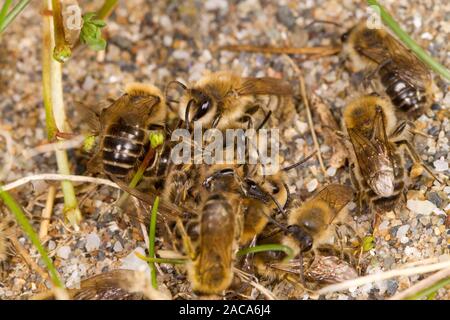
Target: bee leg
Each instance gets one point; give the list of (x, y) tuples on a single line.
[(359, 193), (416, 158), (187, 243)]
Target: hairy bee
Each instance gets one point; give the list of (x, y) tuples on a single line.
[(399, 73), (213, 242), (123, 130), (310, 225), (377, 165), (224, 100)]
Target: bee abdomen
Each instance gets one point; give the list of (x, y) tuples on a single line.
[(122, 147), (403, 95)]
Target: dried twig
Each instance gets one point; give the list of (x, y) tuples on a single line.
[(7, 165), (422, 285), (385, 275), (47, 212), (246, 278), (27, 258), (322, 51), (49, 147), (58, 177), (308, 111)]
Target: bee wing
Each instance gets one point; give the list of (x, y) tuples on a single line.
[(168, 210), (408, 65), (369, 154), (265, 86), (336, 196), (380, 48), (131, 112), (112, 285), (89, 116)]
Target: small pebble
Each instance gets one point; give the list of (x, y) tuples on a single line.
[(421, 207), (63, 252), (331, 171), (92, 242), (118, 247), (402, 231), (51, 245), (440, 165), (312, 185)]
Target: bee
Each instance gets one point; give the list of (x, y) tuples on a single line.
[(377, 167), (211, 240), (112, 285), (225, 100), (399, 73), (123, 130), (309, 226)]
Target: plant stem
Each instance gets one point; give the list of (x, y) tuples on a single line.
[(62, 51), (28, 230), (430, 290), (268, 247), (138, 175), (12, 14), (409, 42), (161, 260), (4, 10), (55, 113), (107, 9), (151, 236)]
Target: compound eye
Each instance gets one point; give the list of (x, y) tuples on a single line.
[(344, 36), (203, 109)]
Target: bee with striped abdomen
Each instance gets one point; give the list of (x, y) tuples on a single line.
[(397, 71)]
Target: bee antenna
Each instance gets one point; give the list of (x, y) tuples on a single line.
[(288, 197), (300, 162), (186, 114), (266, 118), (302, 271), (324, 22), (180, 84)]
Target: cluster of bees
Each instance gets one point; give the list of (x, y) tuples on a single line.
[(213, 210)]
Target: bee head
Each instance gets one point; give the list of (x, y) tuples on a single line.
[(302, 236), (199, 107)]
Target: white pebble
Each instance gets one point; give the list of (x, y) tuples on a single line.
[(181, 55), (421, 207), (312, 185), (384, 225), (301, 126), (92, 242), (117, 247), (63, 252), (51, 245), (402, 231), (441, 164), (212, 5), (132, 262), (331, 171), (411, 251), (404, 240)]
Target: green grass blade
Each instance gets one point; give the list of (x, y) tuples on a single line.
[(430, 290), (13, 14), (268, 247), (151, 237), (28, 230), (409, 42), (4, 10)]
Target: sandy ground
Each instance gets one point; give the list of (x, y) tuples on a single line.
[(162, 41)]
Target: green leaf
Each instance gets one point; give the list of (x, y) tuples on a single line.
[(368, 243), (91, 33)]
